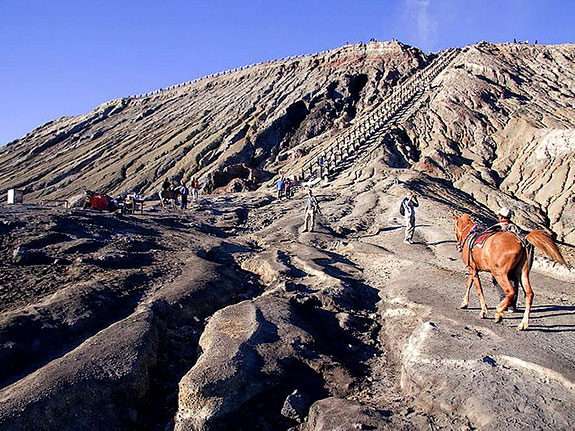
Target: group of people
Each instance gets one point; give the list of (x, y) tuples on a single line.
[(183, 191), (407, 210), (284, 187)]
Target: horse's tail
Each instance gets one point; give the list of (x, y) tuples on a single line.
[(543, 242)]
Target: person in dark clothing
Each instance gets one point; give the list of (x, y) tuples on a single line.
[(321, 163), (184, 194), (288, 188), (166, 184)]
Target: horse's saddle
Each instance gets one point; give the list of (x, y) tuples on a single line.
[(480, 239)]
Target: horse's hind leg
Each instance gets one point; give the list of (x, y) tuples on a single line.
[(514, 279), (516, 282), (465, 301), (507, 287), (528, 297)]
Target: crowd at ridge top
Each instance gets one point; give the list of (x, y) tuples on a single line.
[(237, 69), (249, 66)]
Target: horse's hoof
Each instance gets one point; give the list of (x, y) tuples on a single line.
[(498, 317), (483, 315), (522, 326), (463, 305)]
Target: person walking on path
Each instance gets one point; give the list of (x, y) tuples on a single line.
[(166, 184), (195, 186), (288, 188), (311, 208), (280, 187), (407, 210), (321, 163), (184, 194)]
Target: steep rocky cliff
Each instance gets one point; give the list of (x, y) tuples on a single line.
[(235, 125), (497, 123)]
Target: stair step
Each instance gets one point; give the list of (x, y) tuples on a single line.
[(396, 108)]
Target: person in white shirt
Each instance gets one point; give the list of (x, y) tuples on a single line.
[(407, 210), (311, 208)]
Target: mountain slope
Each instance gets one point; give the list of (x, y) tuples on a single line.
[(500, 125), (497, 124), (251, 116)]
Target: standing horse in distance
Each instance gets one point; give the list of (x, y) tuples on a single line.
[(503, 255), (169, 195)]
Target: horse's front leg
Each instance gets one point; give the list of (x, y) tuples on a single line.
[(465, 301), (483, 312)]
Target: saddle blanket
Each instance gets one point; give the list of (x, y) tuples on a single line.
[(480, 240)]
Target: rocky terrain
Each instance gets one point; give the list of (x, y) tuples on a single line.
[(229, 316), (497, 124), (236, 126)]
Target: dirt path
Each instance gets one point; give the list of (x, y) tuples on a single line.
[(364, 329)]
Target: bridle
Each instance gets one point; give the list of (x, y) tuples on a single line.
[(462, 236)]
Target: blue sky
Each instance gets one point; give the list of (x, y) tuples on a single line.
[(63, 58)]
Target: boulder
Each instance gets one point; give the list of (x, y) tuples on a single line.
[(23, 256), (446, 367), (336, 414), (254, 351), (101, 384), (296, 406)]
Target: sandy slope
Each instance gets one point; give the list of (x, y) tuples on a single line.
[(209, 319)]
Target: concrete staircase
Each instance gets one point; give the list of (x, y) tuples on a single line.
[(370, 130)]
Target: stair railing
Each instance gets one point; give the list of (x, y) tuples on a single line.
[(376, 119)]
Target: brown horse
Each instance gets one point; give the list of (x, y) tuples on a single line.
[(503, 255), (169, 195)]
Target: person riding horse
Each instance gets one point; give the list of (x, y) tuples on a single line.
[(505, 224), (506, 257)]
